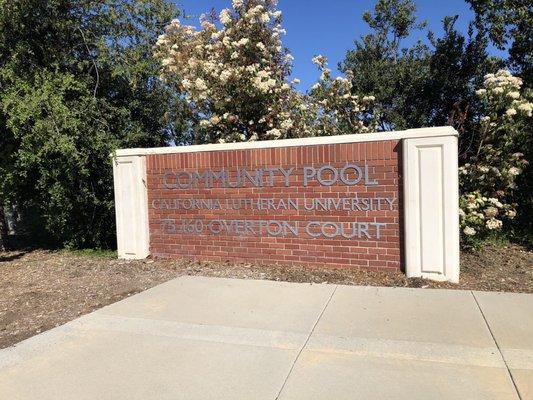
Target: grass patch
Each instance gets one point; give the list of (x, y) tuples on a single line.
[(496, 239), (95, 253)]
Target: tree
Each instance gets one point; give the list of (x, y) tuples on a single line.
[(456, 67), (77, 80), (423, 85), (380, 66), (510, 26)]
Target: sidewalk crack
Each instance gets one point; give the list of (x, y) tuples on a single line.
[(305, 342), (497, 345)]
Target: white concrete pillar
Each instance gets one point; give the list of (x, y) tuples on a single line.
[(131, 206), (431, 207)]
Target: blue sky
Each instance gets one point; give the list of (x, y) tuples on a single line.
[(330, 27)]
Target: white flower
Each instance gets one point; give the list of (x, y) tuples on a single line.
[(186, 84), (225, 16), (513, 95), (257, 9), (278, 31), (515, 171), (472, 205), (491, 212), (276, 133), (206, 25), (225, 75), (262, 86), (161, 40), (469, 231), (485, 119), (511, 214), (237, 4), (481, 92), (526, 107), (265, 18), (296, 81), (287, 124), (319, 60), (261, 46), (243, 42), (495, 202), (200, 84), (510, 112), (494, 223)]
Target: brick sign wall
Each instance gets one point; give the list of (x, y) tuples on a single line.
[(329, 204)]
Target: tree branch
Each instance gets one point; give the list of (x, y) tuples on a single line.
[(94, 63)]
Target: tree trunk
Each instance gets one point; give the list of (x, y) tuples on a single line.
[(3, 228)]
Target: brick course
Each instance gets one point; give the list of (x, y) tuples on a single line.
[(384, 163)]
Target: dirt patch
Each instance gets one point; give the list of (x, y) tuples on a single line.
[(40, 289)]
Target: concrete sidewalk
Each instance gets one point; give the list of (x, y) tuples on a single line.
[(208, 338)]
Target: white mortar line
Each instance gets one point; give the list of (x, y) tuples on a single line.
[(306, 341), (497, 345)]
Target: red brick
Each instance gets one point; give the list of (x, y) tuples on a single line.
[(383, 162)]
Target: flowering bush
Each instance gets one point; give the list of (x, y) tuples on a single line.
[(234, 72), (489, 178)]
